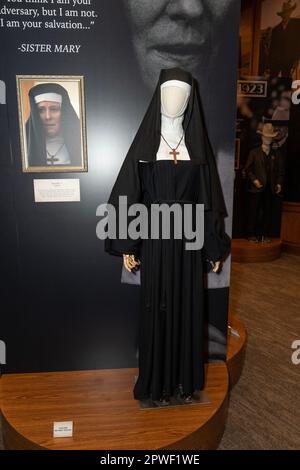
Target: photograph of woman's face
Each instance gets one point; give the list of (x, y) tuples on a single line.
[(179, 33)]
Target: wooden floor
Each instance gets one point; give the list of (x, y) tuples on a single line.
[(264, 411)]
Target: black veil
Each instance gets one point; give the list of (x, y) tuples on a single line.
[(70, 127), (145, 146)]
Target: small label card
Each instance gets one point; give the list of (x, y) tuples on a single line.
[(63, 429), (56, 190)]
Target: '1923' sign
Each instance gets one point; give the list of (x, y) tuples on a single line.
[(253, 88)]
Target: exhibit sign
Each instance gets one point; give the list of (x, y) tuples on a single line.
[(56, 190)]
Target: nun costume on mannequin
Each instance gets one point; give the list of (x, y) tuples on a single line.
[(171, 161), (53, 127)]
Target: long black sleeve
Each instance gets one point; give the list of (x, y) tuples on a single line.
[(249, 167), (281, 168), (217, 243), (127, 184)]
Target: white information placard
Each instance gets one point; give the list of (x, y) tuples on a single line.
[(56, 190), (63, 429)]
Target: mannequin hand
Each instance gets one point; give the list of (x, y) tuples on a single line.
[(258, 184), (216, 266), (130, 263), (278, 188)]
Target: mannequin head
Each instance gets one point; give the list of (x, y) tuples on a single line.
[(266, 140), (175, 91), (268, 134), (174, 98)]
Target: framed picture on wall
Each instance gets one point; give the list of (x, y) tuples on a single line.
[(279, 39), (52, 123)]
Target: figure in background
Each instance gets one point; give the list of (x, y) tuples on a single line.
[(284, 46), (265, 172)]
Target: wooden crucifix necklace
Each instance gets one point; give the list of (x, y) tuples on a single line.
[(173, 150)]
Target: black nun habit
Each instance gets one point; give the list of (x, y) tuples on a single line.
[(69, 127), (171, 336)]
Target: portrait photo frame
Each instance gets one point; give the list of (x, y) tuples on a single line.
[(52, 123)]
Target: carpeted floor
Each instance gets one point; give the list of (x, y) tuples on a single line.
[(264, 409)]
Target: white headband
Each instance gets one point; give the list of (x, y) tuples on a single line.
[(48, 97), (177, 83)]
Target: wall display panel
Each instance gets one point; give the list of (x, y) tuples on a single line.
[(65, 306)]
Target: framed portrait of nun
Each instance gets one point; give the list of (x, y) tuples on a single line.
[(52, 123)]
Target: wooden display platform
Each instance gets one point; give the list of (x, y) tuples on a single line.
[(104, 413), (236, 350), (292, 248), (243, 251)]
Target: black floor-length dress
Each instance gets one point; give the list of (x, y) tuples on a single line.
[(171, 314)]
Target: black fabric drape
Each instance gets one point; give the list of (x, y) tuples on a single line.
[(145, 146)]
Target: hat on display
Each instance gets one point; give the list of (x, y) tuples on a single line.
[(268, 130), (287, 8)]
